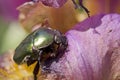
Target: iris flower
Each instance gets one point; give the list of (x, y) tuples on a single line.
[(93, 50)]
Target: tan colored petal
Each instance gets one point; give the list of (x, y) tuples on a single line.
[(62, 18)]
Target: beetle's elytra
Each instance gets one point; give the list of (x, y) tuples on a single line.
[(38, 46)]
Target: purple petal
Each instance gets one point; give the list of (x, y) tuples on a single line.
[(8, 8), (53, 3), (93, 50)]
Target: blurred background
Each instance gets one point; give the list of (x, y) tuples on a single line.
[(15, 25), (11, 32)]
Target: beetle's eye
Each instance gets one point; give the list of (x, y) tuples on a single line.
[(57, 39)]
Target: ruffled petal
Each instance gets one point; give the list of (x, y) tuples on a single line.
[(53, 3), (93, 50)]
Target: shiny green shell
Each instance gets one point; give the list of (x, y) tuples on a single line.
[(40, 38)]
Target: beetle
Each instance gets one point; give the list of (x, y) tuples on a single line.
[(38, 46)]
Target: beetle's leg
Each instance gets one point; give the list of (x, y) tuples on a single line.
[(62, 48), (53, 50), (30, 61), (36, 70), (45, 70), (40, 52)]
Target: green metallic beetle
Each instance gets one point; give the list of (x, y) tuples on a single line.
[(40, 45)]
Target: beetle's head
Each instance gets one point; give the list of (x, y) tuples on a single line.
[(60, 38)]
